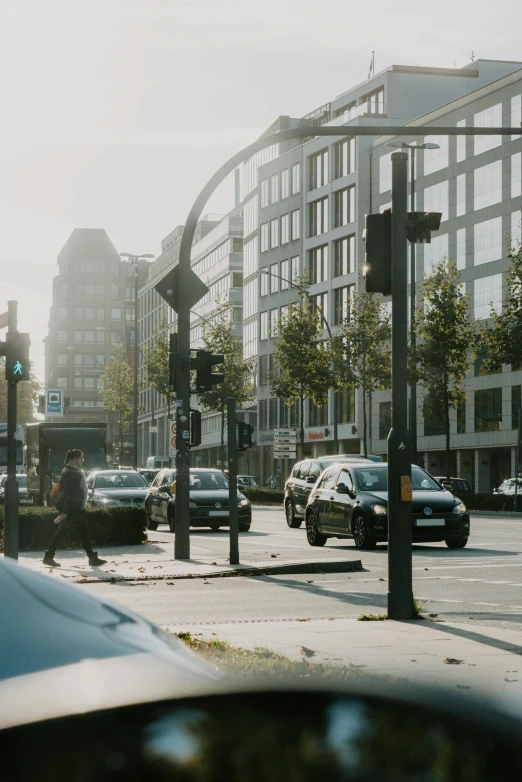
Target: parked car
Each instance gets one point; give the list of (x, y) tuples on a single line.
[(508, 487), (116, 487), (209, 505), (458, 486), (246, 481), (24, 498), (301, 481), (351, 501), (148, 474), (156, 462)]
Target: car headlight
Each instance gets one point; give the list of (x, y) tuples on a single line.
[(106, 501), (460, 508), (243, 503), (379, 510), (193, 504)]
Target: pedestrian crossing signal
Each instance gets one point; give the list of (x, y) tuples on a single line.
[(17, 364)]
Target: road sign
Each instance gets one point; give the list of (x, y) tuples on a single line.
[(172, 429), (193, 289), (284, 441), (153, 429), (285, 433), (285, 455), (54, 401)]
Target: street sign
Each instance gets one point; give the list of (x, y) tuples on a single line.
[(54, 401), (285, 455), (284, 441), (153, 429), (193, 288), (172, 444), (285, 433)]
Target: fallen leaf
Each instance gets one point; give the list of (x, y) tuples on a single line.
[(381, 579), (158, 566), (141, 569), (206, 582), (413, 661), (213, 563), (81, 581), (309, 582), (426, 568), (214, 633), (109, 571), (273, 556), (331, 618), (433, 615), (302, 620), (307, 652), (452, 661), (171, 583)]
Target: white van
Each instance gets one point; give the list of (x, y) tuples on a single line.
[(156, 462)]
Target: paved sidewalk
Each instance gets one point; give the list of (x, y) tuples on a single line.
[(479, 658)]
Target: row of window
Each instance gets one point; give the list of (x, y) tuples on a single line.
[(319, 173), (89, 360), (280, 186), (219, 252), (270, 235), (319, 217), (343, 297), (274, 412), (93, 313)]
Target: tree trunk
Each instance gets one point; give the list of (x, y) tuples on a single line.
[(121, 440), (301, 423), (447, 426), (222, 456), (365, 447)]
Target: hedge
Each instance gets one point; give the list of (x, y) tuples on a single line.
[(108, 527), (493, 502), (262, 494)]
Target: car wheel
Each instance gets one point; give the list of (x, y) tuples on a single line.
[(456, 542), (314, 537), (150, 524), (244, 527), (214, 526), (171, 521), (361, 533), (291, 519)]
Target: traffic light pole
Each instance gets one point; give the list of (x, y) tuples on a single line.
[(182, 530), (400, 590), (232, 480), (11, 484)]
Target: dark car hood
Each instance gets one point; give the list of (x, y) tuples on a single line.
[(437, 500)]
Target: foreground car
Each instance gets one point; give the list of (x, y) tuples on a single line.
[(351, 500), (24, 498), (116, 487), (209, 505)]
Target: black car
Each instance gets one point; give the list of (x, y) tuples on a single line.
[(209, 505), (351, 500), (301, 482)]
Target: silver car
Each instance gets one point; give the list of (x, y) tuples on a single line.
[(115, 487), (24, 498)]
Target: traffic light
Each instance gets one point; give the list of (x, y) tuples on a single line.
[(41, 403), (195, 428), (420, 225), (203, 363), (66, 403), (17, 364), (175, 360), (377, 236), (244, 435)]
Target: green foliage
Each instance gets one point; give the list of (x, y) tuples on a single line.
[(445, 338), (263, 495), (363, 354), (118, 390), (156, 359), (27, 396), (372, 617), (302, 358), (503, 334), (107, 526)]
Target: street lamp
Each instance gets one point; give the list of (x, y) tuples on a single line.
[(134, 259), (413, 384), (304, 292)]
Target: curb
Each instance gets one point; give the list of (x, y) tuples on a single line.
[(295, 568), (485, 513)]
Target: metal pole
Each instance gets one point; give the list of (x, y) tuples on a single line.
[(517, 457), (232, 480), (11, 484), (135, 412), (182, 536), (413, 275), (400, 591)]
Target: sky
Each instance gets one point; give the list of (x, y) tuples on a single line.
[(114, 113)]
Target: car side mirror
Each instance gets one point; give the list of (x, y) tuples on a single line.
[(310, 479), (447, 485), (342, 488), (495, 491)]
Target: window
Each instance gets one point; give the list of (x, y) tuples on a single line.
[(100, 335), (88, 336), (320, 305), (344, 256), (263, 193), (89, 290), (263, 238), (319, 264), (116, 337), (318, 169), (488, 184), (385, 173), (345, 406), (461, 143), (461, 248), (274, 320), (250, 258), (274, 233), (285, 229), (62, 336), (488, 241), (88, 383), (78, 313), (317, 414), (285, 278), (373, 102), (516, 404), (100, 313), (115, 294), (129, 311), (344, 157), (263, 409), (296, 270), (265, 278), (342, 301), (489, 118), (274, 188), (384, 420), (460, 206), (318, 217), (78, 359), (61, 359), (61, 382), (345, 206), (516, 113), (285, 183), (88, 313), (263, 370), (296, 178), (516, 174), (88, 360), (63, 313), (272, 411), (283, 413), (295, 225), (436, 199), (100, 359), (64, 290), (116, 313), (274, 278), (78, 383), (488, 410), (250, 222), (487, 296), (263, 326), (435, 159), (434, 252)]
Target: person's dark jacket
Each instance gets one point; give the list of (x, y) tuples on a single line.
[(72, 493)]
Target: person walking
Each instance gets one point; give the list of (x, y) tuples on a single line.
[(72, 502)]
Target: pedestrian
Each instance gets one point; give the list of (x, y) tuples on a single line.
[(71, 504)]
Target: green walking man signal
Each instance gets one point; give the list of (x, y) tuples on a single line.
[(17, 363)]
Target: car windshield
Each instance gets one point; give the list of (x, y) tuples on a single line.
[(118, 480), (207, 481), (376, 479)]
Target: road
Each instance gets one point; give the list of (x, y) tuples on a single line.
[(482, 582)]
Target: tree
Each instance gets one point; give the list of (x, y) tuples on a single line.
[(118, 390), (445, 336), (156, 360), (27, 396), (218, 339), (363, 354), (302, 358), (503, 335)]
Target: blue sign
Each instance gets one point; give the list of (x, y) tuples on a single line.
[(54, 399)]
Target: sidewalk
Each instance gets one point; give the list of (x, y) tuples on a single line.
[(478, 658)]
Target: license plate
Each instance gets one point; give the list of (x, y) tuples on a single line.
[(218, 513), (429, 522)]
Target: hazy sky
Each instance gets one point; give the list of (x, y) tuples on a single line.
[(114, 113)]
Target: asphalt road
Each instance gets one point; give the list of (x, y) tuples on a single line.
[(482, 582)]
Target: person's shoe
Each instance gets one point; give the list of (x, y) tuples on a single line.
[(96, 561), (49, 560)]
